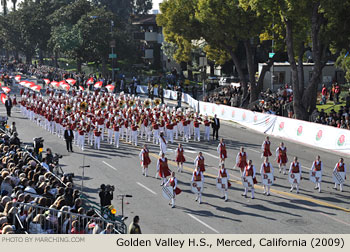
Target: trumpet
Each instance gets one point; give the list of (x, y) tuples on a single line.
[(83, 106), (156, 101)]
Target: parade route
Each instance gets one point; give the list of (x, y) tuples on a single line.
[(306, 212)]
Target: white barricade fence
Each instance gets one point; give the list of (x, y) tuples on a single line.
[(304, 132)]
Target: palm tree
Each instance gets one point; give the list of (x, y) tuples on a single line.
[(4, 5), (14, 4)]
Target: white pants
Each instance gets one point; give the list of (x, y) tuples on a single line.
[(91, 138), (197, 134), (148, 133), (156, 136), (134, 137), (142, 131), (101, 128), (176, 132), (75, 133), (116, 139), (81, 140), (110, 135), (340, 186), (97, 142), (186, 134), (246, 191), (170, 135), (207, 133)]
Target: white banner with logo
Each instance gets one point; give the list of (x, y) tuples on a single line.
[(294, 178), (304, 132), (267, 179)]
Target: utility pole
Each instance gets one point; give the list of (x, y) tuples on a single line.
[(112, 47)]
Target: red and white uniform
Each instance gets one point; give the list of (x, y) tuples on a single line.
[(170, 131), (222, 150), (266, 149), (173, 183), (197, 134), (162, 144), (207, 129), (134, 134), (199, 161), (155, 127), (162, 168), (144, 157), (317, 166), (180, 158), (97, 139), (281, 154), (241, 160), (339, 167), (295, 168)]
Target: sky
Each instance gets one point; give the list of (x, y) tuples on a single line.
[(156, 4)]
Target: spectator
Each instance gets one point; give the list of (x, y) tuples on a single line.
[(134, 227), (324, 93), (38, 224), (109, 229)]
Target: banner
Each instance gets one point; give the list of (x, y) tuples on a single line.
[(196, 186), (247, 182), (294, 178), (168, 192), (338, 177), (267, 179), (315, 176), (221, 183)]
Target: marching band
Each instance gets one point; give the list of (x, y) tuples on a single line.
[(91, 116)]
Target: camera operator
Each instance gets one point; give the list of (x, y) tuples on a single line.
[(106, 195), (49, 156), (15, 140)]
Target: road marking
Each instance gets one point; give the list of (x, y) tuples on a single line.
[(333, 218), (256, 151), (203, 223), (109, 166), (291, 195), (210, 155), (145, 187)]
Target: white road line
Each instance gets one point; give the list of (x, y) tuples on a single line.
[(109, 166), (210, 155), (256, 151), (146, 188), (203, 223)]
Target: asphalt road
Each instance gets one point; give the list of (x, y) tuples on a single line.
[(282, 212)]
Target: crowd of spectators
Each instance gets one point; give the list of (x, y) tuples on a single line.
[(338, 119), (36, 201), (277, 103)]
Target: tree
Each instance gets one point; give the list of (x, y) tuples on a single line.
[(307, 23), (4, 7)]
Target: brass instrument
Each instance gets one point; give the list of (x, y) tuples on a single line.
[(131, 103), (121, 103), (103, 104), (68, 108), (83, 106), (157, 101), (147, 103)]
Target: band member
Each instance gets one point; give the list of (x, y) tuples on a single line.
[(207, 128), (295, 168), (101, 126), (317, 166), (339, 167), (145, 160), (281, 156), (116, 133), (224, 174), (109, 127), (241, 159), (222, 151), (170, 131), (155, 127), (97, 139), (198, 176), (162, 168), (81, 138), (265, 147), (249, 171), (197, 134), (266, 168), (172, 181), (199, 162), (186, 127), (162, 143), (180, 158), (134, 128)]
